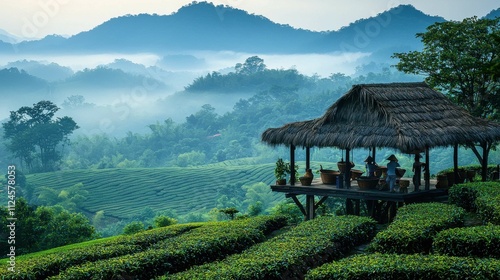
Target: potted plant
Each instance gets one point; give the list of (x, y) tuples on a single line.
[(282, 168)]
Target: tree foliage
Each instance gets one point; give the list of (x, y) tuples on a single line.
[(44, 227), (35, 135), (457, 59)]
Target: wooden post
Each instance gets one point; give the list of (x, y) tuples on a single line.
[(427, 176), (347, 173), (308, 158), (373, 154), (292, 165), (455, 163), (310, 207), (349, 206)]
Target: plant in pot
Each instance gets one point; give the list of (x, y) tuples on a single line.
[(280, 171)]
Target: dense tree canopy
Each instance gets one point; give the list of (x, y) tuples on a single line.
[(458, 58), (35, 135)]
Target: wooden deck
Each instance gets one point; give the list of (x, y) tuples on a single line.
[(381, 205)]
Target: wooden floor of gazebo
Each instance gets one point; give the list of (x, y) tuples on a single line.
[(381, 205)]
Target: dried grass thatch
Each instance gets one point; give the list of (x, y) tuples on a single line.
[(405, 116)]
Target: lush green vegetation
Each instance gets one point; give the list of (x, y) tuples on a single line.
[(291, 254), (210, 242), (393, 266), (317, 249), (415, 226), (477, 241), (51, 262), (482, 198)]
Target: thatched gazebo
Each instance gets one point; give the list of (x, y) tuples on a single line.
[(410, 117)]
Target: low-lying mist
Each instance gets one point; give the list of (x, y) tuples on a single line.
[(119, 109)]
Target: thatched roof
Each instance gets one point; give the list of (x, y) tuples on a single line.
[(405, 116)]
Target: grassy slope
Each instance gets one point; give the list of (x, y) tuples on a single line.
[(124, 192)]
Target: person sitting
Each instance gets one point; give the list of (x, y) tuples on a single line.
[(391, 172)]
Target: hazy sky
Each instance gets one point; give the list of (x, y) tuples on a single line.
[(38, 18)]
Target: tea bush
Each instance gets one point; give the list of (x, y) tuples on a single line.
[(40, 266), (393, 266), (210, 242), (291, 254), (478, 241), (414, 227), (482, 198)]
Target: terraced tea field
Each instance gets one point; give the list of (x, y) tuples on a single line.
[(124, 192)]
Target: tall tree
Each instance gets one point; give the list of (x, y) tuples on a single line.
[(252, 65), (457, 59), (35, 134)]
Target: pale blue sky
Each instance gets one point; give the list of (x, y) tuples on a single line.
[(38, 18)]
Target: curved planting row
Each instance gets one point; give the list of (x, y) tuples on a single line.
[(291, 254), (131, 187), (41, 266), (393, 266), (207, 243), (415, 226), (478, 241), (482, 198)]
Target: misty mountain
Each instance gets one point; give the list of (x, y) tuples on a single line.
[(12, 79), (7, 37), (493, 14), (107, 78), (47, 71), (382, 35), (177, 80), (203, 26)]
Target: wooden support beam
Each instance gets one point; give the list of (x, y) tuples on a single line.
[(357, 210), (455, 163), (297, 202), (310, 213), (323, 199), (347, 173), (349, 207), (292, 165), (427, 174), (308, 158)]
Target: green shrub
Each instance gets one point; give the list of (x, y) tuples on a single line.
[(479, 241), (392, 266), (41, 265), (164, 221), (291, 254), (414, 227), (133, 227), (482, 198), (204, 244)]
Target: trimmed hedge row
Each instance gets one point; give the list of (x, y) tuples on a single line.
[(482, 198), (207, 243), (42, 266), (393, 266), (414, 227), (291, 254), (478, 241)]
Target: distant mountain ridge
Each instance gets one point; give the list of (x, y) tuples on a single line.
[(204, 26)]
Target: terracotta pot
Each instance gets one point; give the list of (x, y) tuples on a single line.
[(329, 177), (306, 181), (367, 183)]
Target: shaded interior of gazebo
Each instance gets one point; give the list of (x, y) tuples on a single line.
[(409, 117)]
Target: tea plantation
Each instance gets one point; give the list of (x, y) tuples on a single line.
[(125, 192), (425, 241)]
